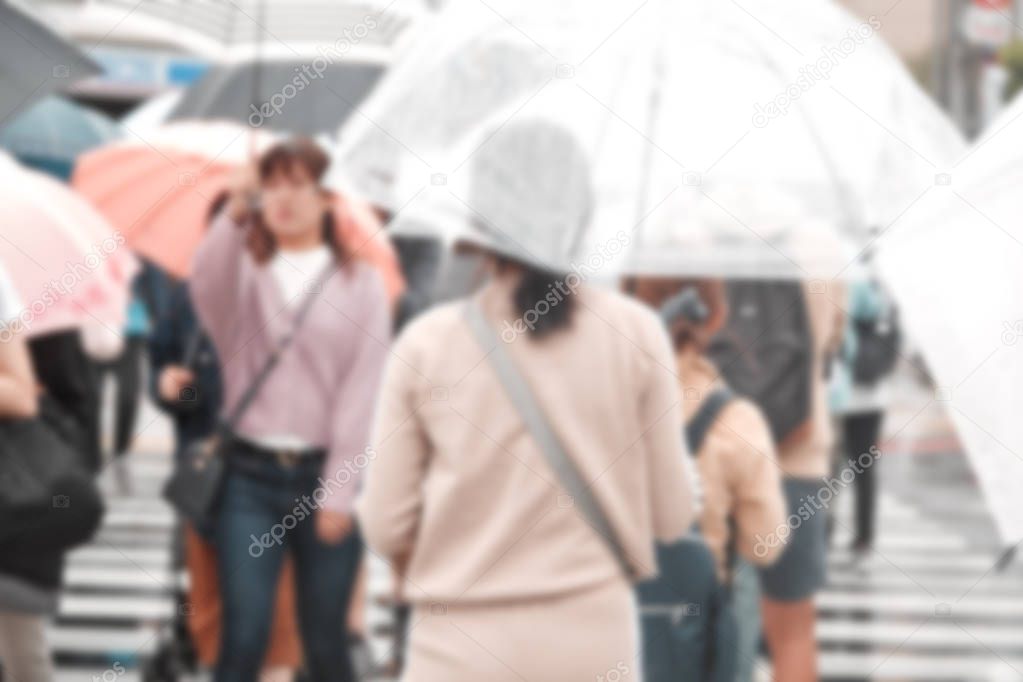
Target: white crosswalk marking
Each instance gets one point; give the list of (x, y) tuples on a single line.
[(928, 605)]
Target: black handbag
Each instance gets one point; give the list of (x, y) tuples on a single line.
[(48, 498), (196, 482)]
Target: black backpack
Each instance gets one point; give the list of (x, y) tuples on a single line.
[(765, 351), (688, 624), (877, 347)]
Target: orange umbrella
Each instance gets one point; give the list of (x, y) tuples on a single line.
[(158, 193)]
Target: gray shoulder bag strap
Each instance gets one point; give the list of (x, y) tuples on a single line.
[(522, 398)]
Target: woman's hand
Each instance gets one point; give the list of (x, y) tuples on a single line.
[(332, 527), (173, 380), (243, 189)]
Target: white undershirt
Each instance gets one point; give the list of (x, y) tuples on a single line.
[(294, 272)]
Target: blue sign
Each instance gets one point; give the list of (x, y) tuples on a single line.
[(181, 72), (138, 68)]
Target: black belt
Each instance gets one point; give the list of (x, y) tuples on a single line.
[(286, 457)]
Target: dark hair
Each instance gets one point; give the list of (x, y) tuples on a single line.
[(685, 330), (536, 286), (285, 157), (216, 206)]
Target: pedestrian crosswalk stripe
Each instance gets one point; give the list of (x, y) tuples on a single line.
[(932, 634)]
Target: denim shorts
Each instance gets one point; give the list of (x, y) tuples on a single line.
[(802, 568)]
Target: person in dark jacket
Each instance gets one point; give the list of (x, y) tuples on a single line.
[(71, 380), (184, 378), (126, 371)]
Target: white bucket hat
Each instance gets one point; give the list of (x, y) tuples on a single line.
[(530, 195)]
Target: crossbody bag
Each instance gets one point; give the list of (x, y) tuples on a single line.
[(195, 485)]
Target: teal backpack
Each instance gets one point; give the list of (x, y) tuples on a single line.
[(688, 623)]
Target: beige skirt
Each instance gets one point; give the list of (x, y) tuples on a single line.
[(592, 635)]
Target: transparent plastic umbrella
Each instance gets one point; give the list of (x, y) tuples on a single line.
[(684, 106), (475, 67), (799, 100)]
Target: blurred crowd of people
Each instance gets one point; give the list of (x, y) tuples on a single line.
[(631, 489)]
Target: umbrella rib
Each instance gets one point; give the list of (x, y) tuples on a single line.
[(654, 104)]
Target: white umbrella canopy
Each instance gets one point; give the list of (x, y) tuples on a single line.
[(955, 263), (798, 99), (688, 106), (588, 67)]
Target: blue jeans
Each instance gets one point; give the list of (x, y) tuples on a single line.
[(262, 517)]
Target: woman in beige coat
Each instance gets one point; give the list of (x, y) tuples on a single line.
[(507, 579)]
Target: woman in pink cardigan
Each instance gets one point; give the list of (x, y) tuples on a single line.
[(296, 457), (507, 578)]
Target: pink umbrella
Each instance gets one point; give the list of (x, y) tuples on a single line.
[(68, 264)]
